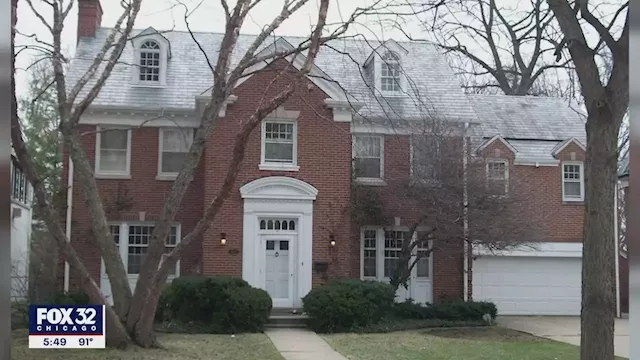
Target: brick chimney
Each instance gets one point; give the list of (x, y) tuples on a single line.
[(89, 17)]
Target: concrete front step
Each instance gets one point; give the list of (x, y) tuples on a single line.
[(285, 318)]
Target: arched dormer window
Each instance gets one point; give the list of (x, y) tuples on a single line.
[(150, 62), (390, 75)]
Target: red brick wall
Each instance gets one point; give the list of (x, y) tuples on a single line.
[(324, 157), (147, 193)]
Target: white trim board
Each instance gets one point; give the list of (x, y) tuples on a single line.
[(543, 249)]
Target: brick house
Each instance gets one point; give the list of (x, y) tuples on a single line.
[(288, 224)]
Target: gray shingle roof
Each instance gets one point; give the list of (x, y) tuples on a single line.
[(531, 124), (188, 74)]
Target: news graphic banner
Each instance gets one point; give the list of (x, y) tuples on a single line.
[(68, 327)]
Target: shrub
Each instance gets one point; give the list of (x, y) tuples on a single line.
[(217, 304), (19, 315), (448, 310), (464, 311), (71, 298), (411, 310), (245, 309), (196, 298), (345, 304)]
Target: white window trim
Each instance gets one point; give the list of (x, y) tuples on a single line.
[(380, 253), (368, 180), (506, 172), (101, 174), (135, 73), (378, 75), (273, 166), (581, 165), (168, 175), (123, 248)]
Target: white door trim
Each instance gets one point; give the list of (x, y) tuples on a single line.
[(278, 197)]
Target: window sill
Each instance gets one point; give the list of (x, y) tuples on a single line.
[(166, 177), (113, 176), (371, 182), (279, 167), (152, 86), (572, 202)]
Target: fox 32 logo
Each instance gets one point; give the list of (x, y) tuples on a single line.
[(60, 320)]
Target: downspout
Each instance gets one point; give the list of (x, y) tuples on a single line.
[(68, 222), (465, 217), (617, 251)]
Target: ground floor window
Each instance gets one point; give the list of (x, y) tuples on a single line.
[(380, 253), (132, 240)]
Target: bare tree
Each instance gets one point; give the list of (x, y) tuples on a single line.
[(496, 47), (606, 97), (435, 193), (132, 316)]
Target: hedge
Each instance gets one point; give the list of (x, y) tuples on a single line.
[(345, 304), (218, 304)]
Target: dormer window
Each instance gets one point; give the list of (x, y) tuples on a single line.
[(149, 62), (151, 54), (390, 76)]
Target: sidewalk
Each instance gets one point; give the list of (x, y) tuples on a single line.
[(301, 344)]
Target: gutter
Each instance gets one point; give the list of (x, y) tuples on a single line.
[(68, 221), (617, 250)]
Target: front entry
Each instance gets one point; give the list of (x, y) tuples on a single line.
[(279, 276)]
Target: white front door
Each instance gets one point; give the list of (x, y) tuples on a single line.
[(278, 271)]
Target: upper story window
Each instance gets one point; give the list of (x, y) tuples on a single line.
[(425, 158), (390, 76), (497, 177), (572, 181), (279, 145), (19, 185), (174, 146), (149, 62), (113, 152), (368, 157)]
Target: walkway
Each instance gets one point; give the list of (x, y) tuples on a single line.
[(301, 344), (565, 329)]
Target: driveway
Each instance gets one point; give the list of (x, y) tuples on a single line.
[(565, 329)]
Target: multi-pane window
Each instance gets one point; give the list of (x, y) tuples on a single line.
[(174, 146), (113, 152), (369, 260), (138, 244), (572, 182), (393, 242), (368, 156), (19, 185), (425, 158), (497, 177), (390, 73), (149, 62), (422, 253), (279, 140)]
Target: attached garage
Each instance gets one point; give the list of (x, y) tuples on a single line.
[(541, 281)]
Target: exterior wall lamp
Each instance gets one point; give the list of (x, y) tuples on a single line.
[(333, 240), (223, 238)]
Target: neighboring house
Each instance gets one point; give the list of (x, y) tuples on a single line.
[(287, 225), (21, 195)]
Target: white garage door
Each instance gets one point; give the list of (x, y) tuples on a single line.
[(529, 285)]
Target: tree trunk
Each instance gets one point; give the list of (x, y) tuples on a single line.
[(598, 299)]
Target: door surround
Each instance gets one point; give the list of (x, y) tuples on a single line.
[(278, 197)]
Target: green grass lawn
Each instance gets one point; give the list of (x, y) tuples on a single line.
[(443, 344), (178, 347)]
